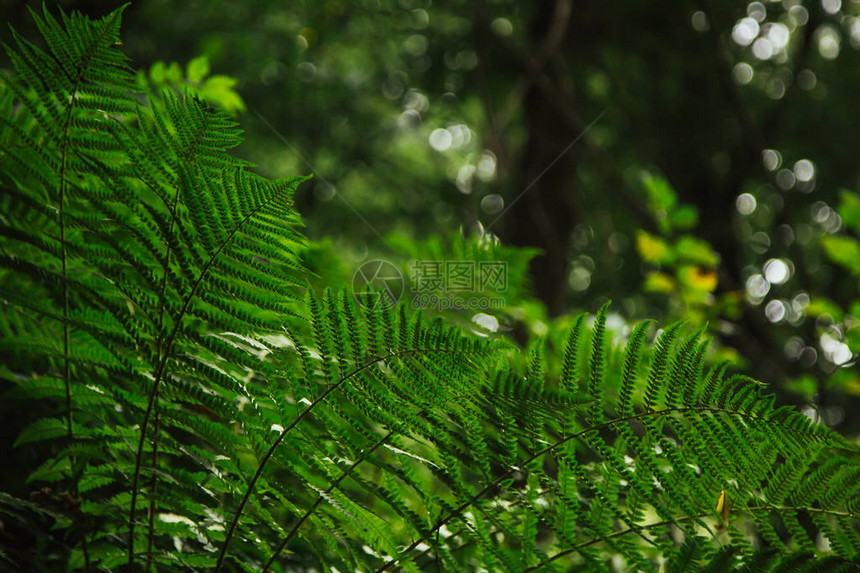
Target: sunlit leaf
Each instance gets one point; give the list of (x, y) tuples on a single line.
[(697, 278), (819, 306), (696, 251), (849, 210), (844, 251), (197, 69), (653, 249), (659, 282)]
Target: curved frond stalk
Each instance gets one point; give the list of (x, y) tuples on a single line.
[(83, 51), (160, 370), (637, 530), (321, 498), (249, 490), (160, 338), (56, 87), (457, 512)]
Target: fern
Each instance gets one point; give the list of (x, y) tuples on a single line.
[(597, 366), (206, 410)]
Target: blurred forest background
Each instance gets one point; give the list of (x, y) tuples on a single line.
[(689, 160)]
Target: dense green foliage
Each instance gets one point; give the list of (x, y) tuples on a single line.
[(190, 400)]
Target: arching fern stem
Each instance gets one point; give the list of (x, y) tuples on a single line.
[(150, 537), (61, 199), (321, 497), (235, 521), (161, 369), (495, 484)]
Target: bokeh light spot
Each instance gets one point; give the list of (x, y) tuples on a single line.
[(776, 271), (486, 168), (440, 139), (806, 80), (420, 19), (306, 72), (416, 100), (742, 73), (774, 311), (831, 6), (745, 204), (757, 11), (778, 35), (699, 21), (775, 88), (804, 170), (854, 32), (486, 321), (492, 204), (416, 44), (760, 242), (793, 347), (828, 42), (464, 179), (757, 288), (409, 119), (785, 179), (745, 31), (502, 27), (580, 278), (771, 159), (762, 49), (836, 351)]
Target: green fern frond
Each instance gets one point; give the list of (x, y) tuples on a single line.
[(202, 408), (570, 375), (630, 374), (597, 365), (659, 362)]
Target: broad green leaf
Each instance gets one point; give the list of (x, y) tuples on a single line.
[(844, 251), (220, 91), (696, 251), (697, 279), (849, 210), (653, 249), (158, 73), (684, 217), (659, 282), (197, 69), (820, 305)]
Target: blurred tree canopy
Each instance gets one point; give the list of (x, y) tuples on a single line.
[(684, 159)]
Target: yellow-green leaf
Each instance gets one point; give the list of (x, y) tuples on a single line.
[(696, 251), (658, 282), (844, 251), (849, 210), (697, 278), (653, 249), (197, 69)]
